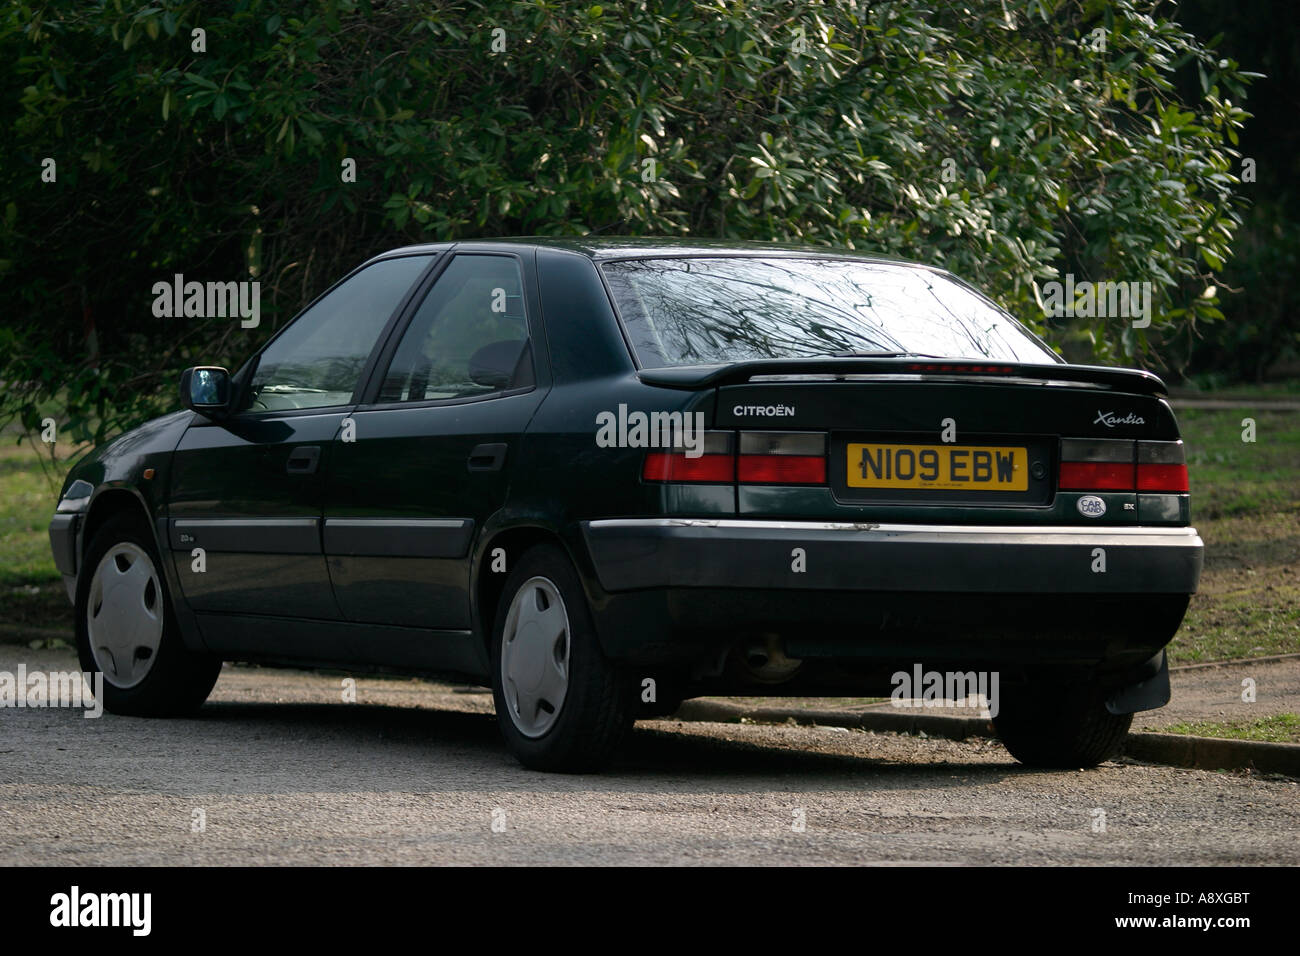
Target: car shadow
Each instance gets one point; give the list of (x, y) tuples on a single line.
[(651, 756)]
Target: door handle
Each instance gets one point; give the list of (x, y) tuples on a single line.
[(489, 457), (303, 460)]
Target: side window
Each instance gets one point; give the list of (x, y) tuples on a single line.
[(318, 360), (469, 337)]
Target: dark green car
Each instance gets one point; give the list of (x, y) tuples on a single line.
[(605, 475)]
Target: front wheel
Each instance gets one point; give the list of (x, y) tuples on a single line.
[(562, 706), (127, 631), (1059, 726)]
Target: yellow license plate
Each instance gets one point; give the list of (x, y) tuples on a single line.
[(938, 467)]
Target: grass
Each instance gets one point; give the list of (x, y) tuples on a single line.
[(1245, 504), (31, 590), (1284, 391), (1278, 729), (1234, 477), (29, 495)]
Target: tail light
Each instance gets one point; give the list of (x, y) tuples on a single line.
[(782, 458), (1099, 464), (1103, 464), (715, 464), (1161, 466), (765, 458)]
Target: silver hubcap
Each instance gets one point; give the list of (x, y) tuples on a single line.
[(535, 657), (124, 615)]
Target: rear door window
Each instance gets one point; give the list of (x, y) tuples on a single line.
[(469, 337)]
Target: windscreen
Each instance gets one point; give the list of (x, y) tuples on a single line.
[(715, 310)]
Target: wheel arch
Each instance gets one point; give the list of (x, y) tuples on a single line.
[(116, 499), (107, 503), (488, 584)]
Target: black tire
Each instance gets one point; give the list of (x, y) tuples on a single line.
[(178, 680), (597, 705), (1059, 727)]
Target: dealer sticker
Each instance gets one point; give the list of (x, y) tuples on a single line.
[(1090, 506)]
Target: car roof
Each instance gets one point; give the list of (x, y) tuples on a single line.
[(604, 248)]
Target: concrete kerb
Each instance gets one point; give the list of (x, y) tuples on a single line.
[(1174, 750)]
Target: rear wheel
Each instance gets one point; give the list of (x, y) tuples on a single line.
[(561, 704), (1059, 727), (127, 631)]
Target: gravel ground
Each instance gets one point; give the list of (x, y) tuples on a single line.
[(285, 772)]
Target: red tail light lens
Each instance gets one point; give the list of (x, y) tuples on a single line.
[(1096, 476), (714, 461), (782, 458), (1162, 466), (1162, 478), (782, 469), (1097, 464), (675, 466)]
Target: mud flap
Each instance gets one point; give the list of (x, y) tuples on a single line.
[(1149, 693)]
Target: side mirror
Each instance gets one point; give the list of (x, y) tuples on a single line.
[(206, 390)]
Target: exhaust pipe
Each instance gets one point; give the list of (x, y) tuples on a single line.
[(763, 659)]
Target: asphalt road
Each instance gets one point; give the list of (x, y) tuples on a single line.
[(285, 772)]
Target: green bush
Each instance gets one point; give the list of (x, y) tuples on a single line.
[(1002, 139)]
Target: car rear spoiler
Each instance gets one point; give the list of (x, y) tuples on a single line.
[(734, 373)]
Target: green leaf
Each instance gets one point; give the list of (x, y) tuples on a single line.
[(309, 130), (202, 81)]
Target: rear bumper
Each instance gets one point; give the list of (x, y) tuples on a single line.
[(631, 554), (873, 596)]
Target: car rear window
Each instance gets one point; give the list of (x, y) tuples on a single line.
[(714, 310)]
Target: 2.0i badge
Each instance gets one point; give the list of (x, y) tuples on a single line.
[(1090, 506)]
